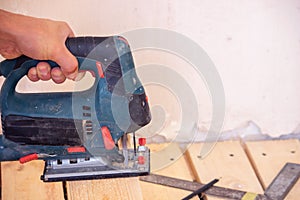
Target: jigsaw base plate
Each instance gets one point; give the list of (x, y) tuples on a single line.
[(96, 168)]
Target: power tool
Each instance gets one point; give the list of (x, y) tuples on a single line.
[(78, 133)]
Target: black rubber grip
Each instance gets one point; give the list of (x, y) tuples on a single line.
[(83, 46), (102, 49)]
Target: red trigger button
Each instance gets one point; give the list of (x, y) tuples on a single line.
[(100, 71), (107, 139)]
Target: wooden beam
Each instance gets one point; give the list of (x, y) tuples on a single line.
[(227, 161), (23, 182), (268, 158)]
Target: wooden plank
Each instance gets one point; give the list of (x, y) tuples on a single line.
[(106, 189), (23, 182), (177, 168), (228, 161), (269, 157)]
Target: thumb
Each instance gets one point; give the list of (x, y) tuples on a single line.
[(67, 62)]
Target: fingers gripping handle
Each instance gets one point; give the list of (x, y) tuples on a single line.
[(88, 51), (86, 47), (14, 73), (13, 78)]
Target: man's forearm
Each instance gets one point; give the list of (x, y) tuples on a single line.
[(13, 25), (7, 30), (6, 23), (17, 30), (40, 39)]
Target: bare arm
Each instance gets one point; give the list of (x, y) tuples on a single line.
[(40, 39)]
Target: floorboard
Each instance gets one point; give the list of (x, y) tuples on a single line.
[(268, 158), (226, 161)]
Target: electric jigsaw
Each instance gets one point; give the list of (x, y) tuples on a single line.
[(78, 133)]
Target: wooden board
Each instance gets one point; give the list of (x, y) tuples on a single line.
[(106, 189), (23, 182), (227, 161), (268, 158), (175, 167)]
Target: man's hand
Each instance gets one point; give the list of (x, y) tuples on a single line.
[(40, 39)]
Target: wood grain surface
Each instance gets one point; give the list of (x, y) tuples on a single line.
[(250, 167)]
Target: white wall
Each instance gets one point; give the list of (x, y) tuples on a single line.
[(255, 46)]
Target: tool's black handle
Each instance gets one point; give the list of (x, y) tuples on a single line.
[(82, 46), (97, 48), (102, 49)]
